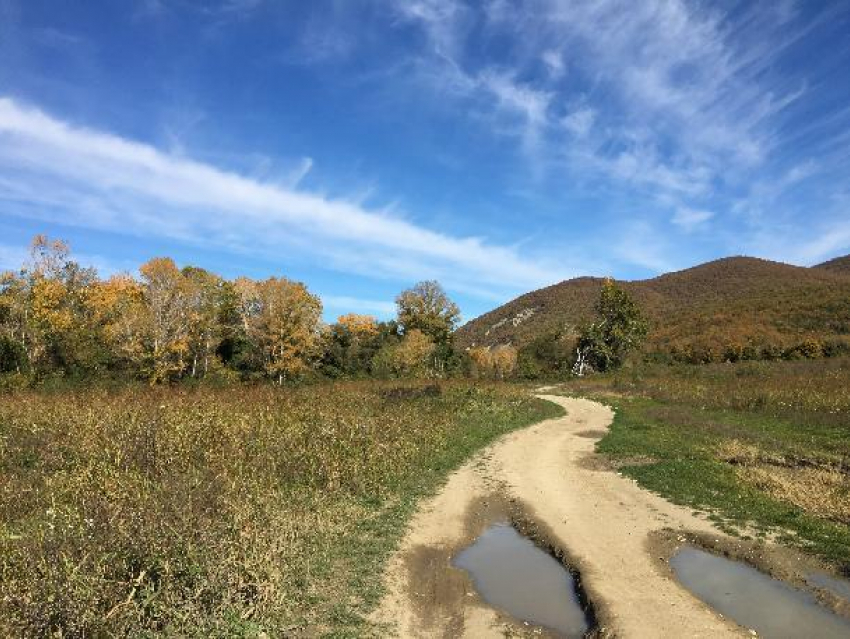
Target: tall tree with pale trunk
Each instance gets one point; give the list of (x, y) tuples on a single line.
[(167, 305), (281, 318), (205, 299)]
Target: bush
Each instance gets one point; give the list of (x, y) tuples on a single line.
[(13, 358)]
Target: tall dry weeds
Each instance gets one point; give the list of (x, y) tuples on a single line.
[(212, 512)]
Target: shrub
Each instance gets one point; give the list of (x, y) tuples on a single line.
[(13, 358)]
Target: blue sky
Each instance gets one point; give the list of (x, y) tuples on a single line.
[(363, 145)]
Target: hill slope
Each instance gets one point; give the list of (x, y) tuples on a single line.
[(702, 311), (837, 265)]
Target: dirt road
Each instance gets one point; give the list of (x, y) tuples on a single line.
[(548, 478)]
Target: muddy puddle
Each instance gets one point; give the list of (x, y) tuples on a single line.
[(838, 587), (513, 575), (754, 600)]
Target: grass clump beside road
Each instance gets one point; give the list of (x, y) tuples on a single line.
[(762, 446), (222, 512)]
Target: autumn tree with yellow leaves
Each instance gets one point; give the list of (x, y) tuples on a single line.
[(283, 324), (45, 316), (497, 362), (118, 306), (412, 356)]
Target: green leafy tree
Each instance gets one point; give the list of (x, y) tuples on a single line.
[(427, 308), (620, 329), (547, 355), (350, 344), (13, 359)]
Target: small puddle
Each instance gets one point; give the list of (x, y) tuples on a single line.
[(512, 574), (754, 600)]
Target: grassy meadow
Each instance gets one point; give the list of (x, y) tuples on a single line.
[(764, 447), (263, 511), (222, 512)]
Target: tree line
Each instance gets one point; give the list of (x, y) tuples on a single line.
[(59, 319)]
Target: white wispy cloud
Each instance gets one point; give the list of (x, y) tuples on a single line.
[(530, 105), (678, 102), (827, 244), (677, 76), (239, 6), (640, 243), (818, 244), (300, 172), (691, 219), (444, 21), (52, 170), (579, 122), (824, 235), (554, 61)]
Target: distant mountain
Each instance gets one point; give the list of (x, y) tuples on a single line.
[(705, 312), (838, 265)]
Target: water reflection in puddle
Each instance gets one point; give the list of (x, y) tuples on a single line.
[(752, 599), (514, 575)]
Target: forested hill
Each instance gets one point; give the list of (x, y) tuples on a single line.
[(705, 313)]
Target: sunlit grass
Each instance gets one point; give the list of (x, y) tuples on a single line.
[(220, 512), (759, 445)]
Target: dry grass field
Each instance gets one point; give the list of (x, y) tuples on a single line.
[(221, 512)]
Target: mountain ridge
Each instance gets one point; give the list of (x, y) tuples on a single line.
[(706, 309)]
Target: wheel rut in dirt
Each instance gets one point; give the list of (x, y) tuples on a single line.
[(549, 483)]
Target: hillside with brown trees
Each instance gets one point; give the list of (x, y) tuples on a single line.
[(729, 309), (837, 265)]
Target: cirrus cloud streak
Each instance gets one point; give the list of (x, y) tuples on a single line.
[(103, 181)]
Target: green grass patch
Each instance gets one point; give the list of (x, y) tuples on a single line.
[(678, 450)]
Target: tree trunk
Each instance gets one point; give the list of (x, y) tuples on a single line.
[(207, 356), (581, 362)]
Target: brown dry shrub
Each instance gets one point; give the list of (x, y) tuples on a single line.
[(823, 492)]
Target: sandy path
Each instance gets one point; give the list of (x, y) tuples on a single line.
[(602, 520)]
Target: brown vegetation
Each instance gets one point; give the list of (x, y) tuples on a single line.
[(498, 362), (219, 512), (839, 265), (731, 309), (817, 486)]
